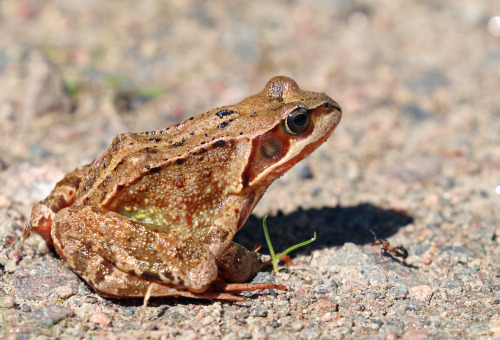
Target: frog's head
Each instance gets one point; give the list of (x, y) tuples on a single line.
[(292, 124)]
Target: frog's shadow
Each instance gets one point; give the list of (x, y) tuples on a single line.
[(333, 226)]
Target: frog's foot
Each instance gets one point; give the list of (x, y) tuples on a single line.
[(218, 291), (109, 281), (237, 264), (243, 287), (138, 288), (61, 197)]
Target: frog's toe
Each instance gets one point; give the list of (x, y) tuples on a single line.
[(201, 277)]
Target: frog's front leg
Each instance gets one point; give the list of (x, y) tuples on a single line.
[(61, 197), (121, 257), (235, 262)]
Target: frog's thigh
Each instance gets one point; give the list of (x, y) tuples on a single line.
[(61, 197), (134, 248), (102, 275)]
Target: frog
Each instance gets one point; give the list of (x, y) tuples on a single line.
[(157, 212)]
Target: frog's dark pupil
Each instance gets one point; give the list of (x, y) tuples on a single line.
[(300, 120)]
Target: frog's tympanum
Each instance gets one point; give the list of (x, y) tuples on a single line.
[(159, 209)]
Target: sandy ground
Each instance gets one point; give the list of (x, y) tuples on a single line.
[(416, 158)]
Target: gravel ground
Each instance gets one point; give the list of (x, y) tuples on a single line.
[(416, 158)]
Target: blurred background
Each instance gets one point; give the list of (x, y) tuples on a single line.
[(74, 74), (418, 82), (416, 155)]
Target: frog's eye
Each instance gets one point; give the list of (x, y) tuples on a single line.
[(296, 122)]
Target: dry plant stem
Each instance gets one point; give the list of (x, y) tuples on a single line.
[(145, 303)]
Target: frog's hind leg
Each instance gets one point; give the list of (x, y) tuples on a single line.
[(61, 197), (108, 281), (120, 257)]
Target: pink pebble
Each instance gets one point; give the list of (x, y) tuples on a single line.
[(100, 318), (422, 292)]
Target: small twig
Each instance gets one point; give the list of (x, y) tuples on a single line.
[(145, 302)]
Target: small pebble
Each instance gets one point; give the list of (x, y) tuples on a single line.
[(376, 324), (413, 306), (399, 292), (415, 112), (304, 171), (427, 260), (320, 289), (284, 312), (15, 256), (260, 311), (127, 311), (392, 336), (327, 317), (50, 315), (495, 288), (264, 277), (326, 304), (245, 334), (4, 201), (420, 334), (333, 285), (63, 292), (315, 191), (10, 266), (8, 302), (451, 284), (91, 299), (422, 292), (199, 316), (100, 318), (494, 29), (42, 248)]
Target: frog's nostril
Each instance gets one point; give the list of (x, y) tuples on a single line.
[(333, 105)]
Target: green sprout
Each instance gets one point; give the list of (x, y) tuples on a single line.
[(276, 259), (150, 92), (115, 81), (72, 88)]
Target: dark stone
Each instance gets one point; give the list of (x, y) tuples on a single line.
[(413, 306), (38, 280), (50, 315), (415, 112), (259, 311), (304, 171), (429, 82)]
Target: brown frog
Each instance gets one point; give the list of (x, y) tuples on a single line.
[(159, 209)]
